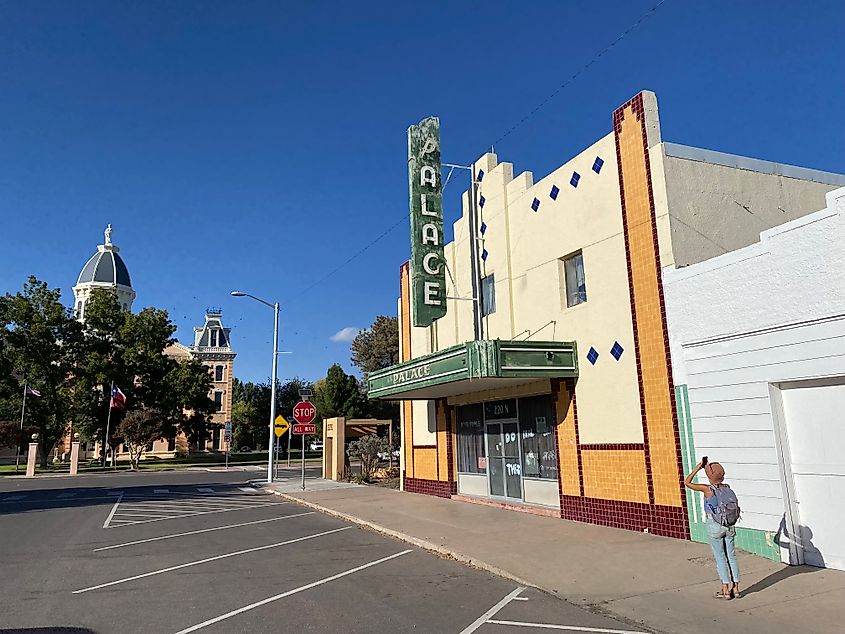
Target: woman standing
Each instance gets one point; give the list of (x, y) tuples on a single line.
[(720, 530)]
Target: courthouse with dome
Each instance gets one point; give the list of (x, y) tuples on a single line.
[(107, 270), (536, 371)]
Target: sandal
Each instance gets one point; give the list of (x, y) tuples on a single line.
[(737, 594), (722, 595)]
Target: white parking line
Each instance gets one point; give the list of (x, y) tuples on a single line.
[(484, 618), (247, 490), (113, 509), (205, 490), (209, 559), (194, 514), (568, 628), (161, 490), (258, 604), (204, 530)]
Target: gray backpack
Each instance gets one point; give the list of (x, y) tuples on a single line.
[(726, 511)]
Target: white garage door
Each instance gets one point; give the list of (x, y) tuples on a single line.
[(815, 422)]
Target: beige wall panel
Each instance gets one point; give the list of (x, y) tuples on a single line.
[(707, 219), (567, 443)]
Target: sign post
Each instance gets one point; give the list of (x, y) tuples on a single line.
[(304, 414), (227, 436), (279, 428)]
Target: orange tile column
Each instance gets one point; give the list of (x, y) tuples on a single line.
[(661, 435), (405, 355)]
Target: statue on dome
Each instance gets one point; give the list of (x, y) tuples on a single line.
[(107, 233)]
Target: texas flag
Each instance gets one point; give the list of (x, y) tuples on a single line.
[(118, 399), (32, 392)]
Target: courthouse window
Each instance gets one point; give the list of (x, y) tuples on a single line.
[(218, 401), (472, 457), (218, 373), (536, 423)]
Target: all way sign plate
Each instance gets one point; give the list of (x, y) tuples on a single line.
[(304, 428)]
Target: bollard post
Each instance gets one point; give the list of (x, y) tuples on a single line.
[(74, 455), (31, 457)]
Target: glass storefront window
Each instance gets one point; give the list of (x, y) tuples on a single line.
[(472, 456), (536, 424)]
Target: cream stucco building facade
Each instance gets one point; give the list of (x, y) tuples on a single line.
[(573, 261)]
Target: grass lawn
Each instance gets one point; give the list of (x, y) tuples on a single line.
[(152, 464)]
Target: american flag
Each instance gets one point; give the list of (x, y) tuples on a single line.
[(31, 392)]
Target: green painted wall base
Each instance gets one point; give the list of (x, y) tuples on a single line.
[(751, 540)]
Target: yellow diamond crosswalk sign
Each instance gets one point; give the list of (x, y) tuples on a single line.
[(281, 426)]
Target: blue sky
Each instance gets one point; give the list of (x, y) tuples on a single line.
[(259, 145)]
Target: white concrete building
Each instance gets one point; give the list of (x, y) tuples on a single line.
[(757, 342)]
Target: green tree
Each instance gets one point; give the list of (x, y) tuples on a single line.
[(139, 429), (376, 347), (40, 344), (128, 350), (339, 394)]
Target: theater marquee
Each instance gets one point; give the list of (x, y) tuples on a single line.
[(428, 270)]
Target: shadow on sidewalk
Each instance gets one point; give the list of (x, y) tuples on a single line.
[(784, 573)]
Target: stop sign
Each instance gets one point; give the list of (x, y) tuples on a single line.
[(304, 412)]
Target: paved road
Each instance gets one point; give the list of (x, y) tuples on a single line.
[(205, 551)]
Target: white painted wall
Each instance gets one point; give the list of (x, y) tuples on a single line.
[(768, 313)]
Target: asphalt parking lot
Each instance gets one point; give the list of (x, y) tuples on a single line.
[(205, 551)]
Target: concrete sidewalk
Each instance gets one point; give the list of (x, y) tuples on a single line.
[(663, 584)]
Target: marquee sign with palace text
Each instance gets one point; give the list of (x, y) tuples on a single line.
[(428, 270)]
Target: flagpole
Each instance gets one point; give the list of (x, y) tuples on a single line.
[(18, 444), (108, 423)]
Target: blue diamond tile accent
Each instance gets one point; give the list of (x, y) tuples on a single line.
[(592, 355), (598, 164), (480, 175), (535, 205), (483, 228), (481, 201), (575, 178), (484, 255), (555, 191), (617, 350)]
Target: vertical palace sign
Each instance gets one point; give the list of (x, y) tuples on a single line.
[(428, 271)]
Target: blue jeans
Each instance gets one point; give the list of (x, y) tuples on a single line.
[(721, 540)]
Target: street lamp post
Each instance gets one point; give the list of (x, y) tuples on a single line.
[(275, 308)]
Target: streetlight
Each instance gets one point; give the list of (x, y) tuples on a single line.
[(275, 308)]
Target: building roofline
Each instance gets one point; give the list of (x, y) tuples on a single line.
[(688, 152)]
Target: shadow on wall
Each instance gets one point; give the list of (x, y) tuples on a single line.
[(812, 556)]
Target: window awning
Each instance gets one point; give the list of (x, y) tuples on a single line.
[(474, 366)]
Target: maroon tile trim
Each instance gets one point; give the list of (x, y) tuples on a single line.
[(425, 446), (450, 429), (609, 446), (669, 521), (431, 487)]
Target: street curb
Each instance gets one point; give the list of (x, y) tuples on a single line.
[(460, 557), (421, 543)]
